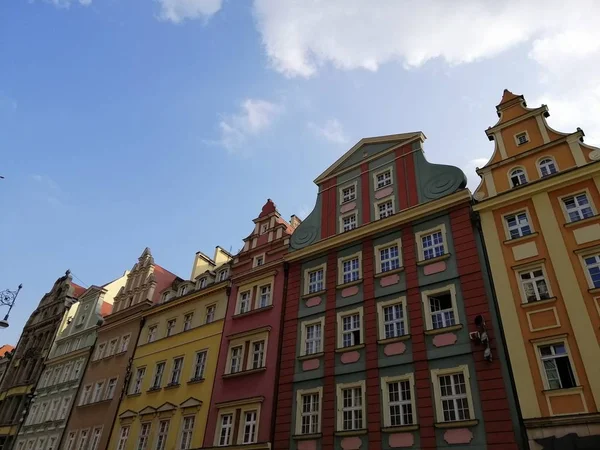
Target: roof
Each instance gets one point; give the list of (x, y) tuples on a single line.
[(508, 96), (105, 309), (268, 208), (288, 228), (163, 278), (77, 290), (5, 349)]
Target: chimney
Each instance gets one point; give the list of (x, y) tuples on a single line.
[(295, 221)]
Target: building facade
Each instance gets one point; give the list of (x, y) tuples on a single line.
[(538, 203), (167, 400), (105, 376), (242, 409), (26, 365), (390, 339), (6, 354), (51, 405)]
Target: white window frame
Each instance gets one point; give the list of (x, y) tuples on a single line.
[(578, 208), (242, 346), (188, 321), (304, 336), (521, 283), (110, 391), (170, 330), (163, 434), (240, 299), (152, 331), (202, 282), (85, 396), (519, 226), (542, 163), (307, 283), (378, 204), (99, 353), (209, 313), (83, 438), (138, 380), (340, 406), (554, 341), (124, 345), (229, 427), (353, 185), (451, 288), (387, 416), (521, 133), (260, 294), (435, 379), (347, 216), (157, 377), (223, 274), (95, 439), (381, 306), (70, 442), (64, 407), (98, 390), (441, 228), (388, 245), (252, 424), (595, 253), (382, 171), (259, 258), (123, 437), (199, 367), (342, 260), (112, 346), (300, 393), (510, 175), (175, 377), (262, 354), (340, 326), (144, 438)]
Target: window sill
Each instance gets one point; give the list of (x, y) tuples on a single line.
[(244, 372), (521, 239), (314, 294), (350, 283), (424, 262), (578, 222), (539, 302), (400, 429), (594, 290), (153, 389), (310, 356), (349, 349), (136, 394), (564, 391), (389, 272), (348, 201), (195, 380), (305, 437), (121, 353), (443, 330), (457, 424), (171, 386), (404, 337), (351, 432), (252, 311)]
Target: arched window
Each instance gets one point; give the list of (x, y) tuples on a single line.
[(518, 177), (547, 167)]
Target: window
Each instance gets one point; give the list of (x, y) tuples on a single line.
[(315, 281), (518, 225), (95, 442), (349, 193), (70, 443), (202, 283), (226, 430), (392, 317), (592, 264), (124, 343), (249, 427), (350, 270), (349, 328), (264, 227), (433, 245), (42, 413), (80, 320), (259, 260), (383, 179), (100, 350), (313, 341), (112, 346), (547, 167), (522, 138), (309, 412), (52, 444), (557, 366), (389, 258), (223, 274), (41, 442), (136, 387), (83, 434), (171, 327), (235, 361), (441, 310), (258, 354), (385, 209), (398, 401), (110, 389), (264, 299), (199, 365), (98, 391), (163, 432), (244, 302), (123, 435), (187, 431), (176, 372), (183, 290), (352, 407), (187, 321), (76, 369), (52, 413), (578, 207), (349, 222), (152, 333), (533, 283), (64, 407), (518, 177), (210, 314), (165, 296), (144, 436), (55, 376), (158, 373), (85, 395)]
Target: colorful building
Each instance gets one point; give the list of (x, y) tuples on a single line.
[(538, 203), (167, 400), (105, 377), (54, 395), (27, 363), (242, 410), (390, 338)]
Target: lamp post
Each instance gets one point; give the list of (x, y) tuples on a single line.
[(8, 298)]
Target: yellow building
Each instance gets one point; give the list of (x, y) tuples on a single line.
[(538, 203), (170, 383)]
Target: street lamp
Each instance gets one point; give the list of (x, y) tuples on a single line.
[(8, 298)]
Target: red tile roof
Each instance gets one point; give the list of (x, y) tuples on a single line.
[(105, 309), (5, 349), (268, 208), (77, 290), (164, 278)]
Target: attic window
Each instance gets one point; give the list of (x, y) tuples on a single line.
[(259, 260), (165, 296), (223, 274), (383, 179), (522, 138), (202, 283), (518, 177), (182, 290), (263, 228)]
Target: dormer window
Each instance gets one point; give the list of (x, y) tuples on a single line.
[(349, 193), (259, 260), (183, 290), (264, 228), (547, 167), (202, 283), (518, 177), (522, 138), (223, 274), (165, 297)]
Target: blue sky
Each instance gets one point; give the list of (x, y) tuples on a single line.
[(168, 123)]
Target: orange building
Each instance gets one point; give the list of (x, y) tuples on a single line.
[(538, 203)]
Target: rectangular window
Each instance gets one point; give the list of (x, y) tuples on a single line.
[(152, 333), (98, 391), (518, 225), (557, 366), (433, 245), (158, 373), (176, 372), (313, 341), (258, 354), (315, 281), (383, 179), (349, 193), (235, 363), (95, 442), (110, 388), (385, 209), (112, 346), (441, 309), (52, 444), (223, 274), (187, 431), (163, 433), (244, 303), (352, 408), (202, 283), (259, 261), (210, 314), (171, 327), (71, 441), (399, 403), (76, 369), (226, 430), (83, 435), (389, 258), (52, 413), (136, 387), (393, 321), (578, 207), (199, 365), (187, 321), (125, 343), (310, 415), (453, 396), (249, 427), (64, 407), (592, 264), (522, 138), (265, 296), (351, 270), (351, 330), (85, 395), (144, 436), (123, 435), (349, 222), (100, 350), (534, 285), (41, 443)]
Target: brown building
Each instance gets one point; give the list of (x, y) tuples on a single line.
[(108, 370)]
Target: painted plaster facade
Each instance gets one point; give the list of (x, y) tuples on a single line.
[(243, 403), (385, 284), (538, 203), (45, 422), (105, 376), (171, 379), (27, 363)]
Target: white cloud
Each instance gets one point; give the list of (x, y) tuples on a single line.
[(469, 167), (254, 117), (179, 10), (67, 3), (332, 130)]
